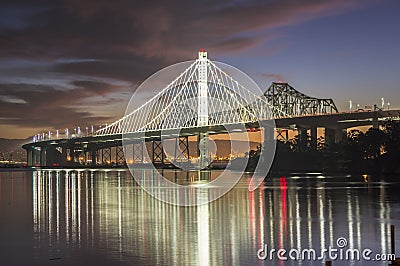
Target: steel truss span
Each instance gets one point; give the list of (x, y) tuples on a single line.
[(284, 97)]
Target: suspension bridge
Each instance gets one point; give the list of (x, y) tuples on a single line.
[(201, 101)]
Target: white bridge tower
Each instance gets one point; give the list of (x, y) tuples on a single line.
[(202, 112)]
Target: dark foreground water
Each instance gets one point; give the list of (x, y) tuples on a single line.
[(103, 218)]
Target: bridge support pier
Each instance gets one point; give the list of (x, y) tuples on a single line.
[(267, 148), (119, 155), (105, 155), (64, 161), (375, 122), (314, 137), (334, 135), (93, 156), (340, 134), (204, 151), (137, 150), (182, 148), (43, 156), (329, 136), (29, 157), (157, 151), (302, 138)]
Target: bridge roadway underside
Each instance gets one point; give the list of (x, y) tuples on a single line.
[(107, 149)]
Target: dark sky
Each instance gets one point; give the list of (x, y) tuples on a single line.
[(76, 63)]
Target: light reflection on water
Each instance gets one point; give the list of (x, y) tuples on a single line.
[(103, 218)]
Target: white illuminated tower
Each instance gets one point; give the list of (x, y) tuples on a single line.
[(202, 112)]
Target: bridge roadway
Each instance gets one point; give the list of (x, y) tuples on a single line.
[(97, 149)]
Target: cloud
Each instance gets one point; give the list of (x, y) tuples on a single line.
[(43, 106), (55, 55), (273, 77)]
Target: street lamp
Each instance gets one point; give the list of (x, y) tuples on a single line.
[(350, 105), (383, 102), (388, 104)]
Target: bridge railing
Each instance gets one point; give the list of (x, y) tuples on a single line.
[(64, 134)]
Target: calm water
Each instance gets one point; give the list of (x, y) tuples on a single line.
[(103, 218)]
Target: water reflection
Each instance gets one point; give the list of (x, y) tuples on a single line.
[(105, 213)]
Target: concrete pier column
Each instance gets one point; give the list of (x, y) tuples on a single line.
[(64, 155), (302, 132), (375, 122), (329, 136), (93, 156), (314, 138), (204, 151), (268, 133), (340, 134), (29, 157), (43, 156)]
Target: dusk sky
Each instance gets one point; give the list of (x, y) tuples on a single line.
[(76, 63)]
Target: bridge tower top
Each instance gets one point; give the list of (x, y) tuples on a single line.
[(202, 55)]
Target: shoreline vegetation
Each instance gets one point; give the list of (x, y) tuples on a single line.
[(375, 151)]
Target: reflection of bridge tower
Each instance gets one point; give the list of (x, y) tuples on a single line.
[(202, 112)]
